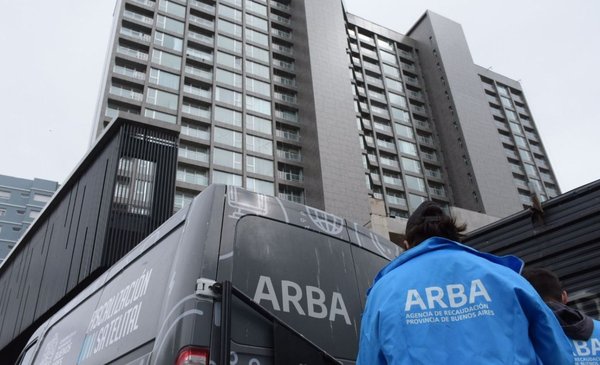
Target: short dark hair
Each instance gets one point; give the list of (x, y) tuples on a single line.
[(545, 282), (430, 220)]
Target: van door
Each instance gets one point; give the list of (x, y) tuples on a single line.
[(304, 277)]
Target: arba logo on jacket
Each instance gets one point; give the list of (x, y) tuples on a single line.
[(450, 296)]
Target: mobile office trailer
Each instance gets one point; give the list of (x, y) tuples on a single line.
[(235, 277)]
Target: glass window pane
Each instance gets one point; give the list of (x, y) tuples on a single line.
[(170, 7), (163, 78), (415, 183), (229, 28), (397, 99), (256, 22), (228, 60), (228, 116), (259, 166), (231, 13), (155, 114), (258, 124), (259, 87), (404, 131), (228, 96), (260, 186), (162, 98), (227, 158), (258, 53), (257, 37), (229, 44), (258, 105), (228, 137), (411, 165), (394, 85), (166, 59), (173, 25), (257, 69), (255, 7), (408, 148), (260, 145), (220, 177), (229, 78), (168, 41)]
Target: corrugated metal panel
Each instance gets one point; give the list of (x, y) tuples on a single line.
[(565, 238), (82, 232)]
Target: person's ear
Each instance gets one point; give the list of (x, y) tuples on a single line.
[(564, 297), (405, 245)]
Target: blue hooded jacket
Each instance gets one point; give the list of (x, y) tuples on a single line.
[(445, 303)]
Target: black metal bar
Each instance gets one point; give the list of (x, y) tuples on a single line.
[(226, 290)]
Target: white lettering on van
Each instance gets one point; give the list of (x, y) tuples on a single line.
[(116, 317), (589, 348), (455, 294), (292, 294)]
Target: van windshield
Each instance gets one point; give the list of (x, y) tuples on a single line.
[(306, 278)]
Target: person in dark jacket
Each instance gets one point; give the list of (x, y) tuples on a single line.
[(441, 302), (583, 331)]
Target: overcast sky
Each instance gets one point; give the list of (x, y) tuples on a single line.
[(54, 54)]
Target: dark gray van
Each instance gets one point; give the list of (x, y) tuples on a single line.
[(235, 277)]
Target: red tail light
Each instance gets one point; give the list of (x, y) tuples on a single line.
[(192, 356)]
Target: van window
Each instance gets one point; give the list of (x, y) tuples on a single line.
[(304, 277), (27, 356)]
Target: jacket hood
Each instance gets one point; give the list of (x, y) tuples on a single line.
[(438, 243), (576, 325)]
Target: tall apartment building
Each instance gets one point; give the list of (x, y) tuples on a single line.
[(21, 201), (303, 100)]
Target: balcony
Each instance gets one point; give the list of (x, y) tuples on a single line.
[(395, 200), (205, 74), (283, 64), (286, 97), (290, 136), (409, 67), (290, 116), (201, 21), (369, 53), (386, 144), (291, 197), (201, 55), (132, 53), (433, 173), (405, 54), (203, 93), (429, 156), (389, 162), (374, 81), (135, 34), (516, 168), (439, 191), (200, 37), (280, 6), (284, 80), (126, 93), (195, 110), (129, 72), (416, 95), (418, 109), (392, 181), (281, 33), (280, 19), (282, 49), (290, 155), (145, 2), (423, 124), (411, 79), (202, 6), (426, 140), (139, 17), (291, 176)]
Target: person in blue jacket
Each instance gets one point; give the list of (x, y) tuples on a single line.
[(441, 302), (583, 331)]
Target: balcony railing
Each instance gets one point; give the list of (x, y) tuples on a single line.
[(139, 17), (196, 111), (426, 140), (433, 173), (283, 49), (419, 109), (207, 57), (429, 156), (286, 97), (283, 64), (437, 191), (291, 197), (126, 93), (129, 72), (289, 116), (133, 53), (135, 34), (281, 6), (289, 155), (290, 176), (395, 200), (203, 93), (284, 80), (200, 5), (201, 21), (145, 2), (198, 72), (199, 37), (281, 33), (288, 135), (280, 19)]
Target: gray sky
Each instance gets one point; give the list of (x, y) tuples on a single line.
[(54, 54)]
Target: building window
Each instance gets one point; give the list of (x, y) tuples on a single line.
[(181, 200), (193, 153), (228, 116), (228, 96), (168, 41), (260, 186), (228, 137), (41, 198), (411, 165), (34, 214), (172, 8), (229, 44), (134, 187), (257, 69), (164, 117), (220, 177), (257, 37), (162, 98), (192, 176), (231, 13), (258, 124), (260, 145), (259, 166), (163, 78), (229, 28), (415, 183), (256, 22), (170, 24), (257, 53), (408, 148), (166, 59), (254, 7), (2, 212), (4, 194), (258, 105), (226, 158), (258, 87), (229, 78)]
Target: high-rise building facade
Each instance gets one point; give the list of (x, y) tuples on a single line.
[(302, 100), (21, 201)]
